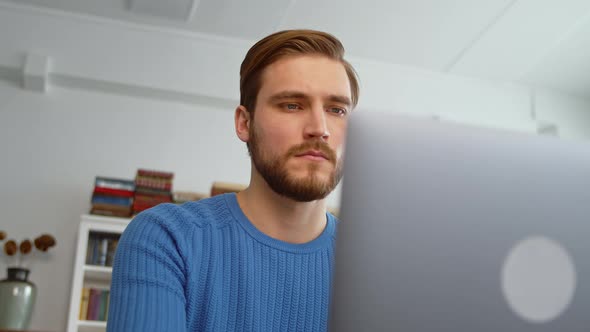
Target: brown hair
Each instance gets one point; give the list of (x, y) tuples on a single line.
[(286, 43)]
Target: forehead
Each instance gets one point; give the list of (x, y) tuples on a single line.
[(311, 75)]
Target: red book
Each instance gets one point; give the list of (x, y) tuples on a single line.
[(93, 305), (157, 174), (153, 199), (152, 192), (138, 207), (113, 192), (153, 183)]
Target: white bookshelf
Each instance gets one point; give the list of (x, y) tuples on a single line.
[(90, 326), (85, 275)]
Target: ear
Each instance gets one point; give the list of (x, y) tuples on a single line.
[(243, 123)]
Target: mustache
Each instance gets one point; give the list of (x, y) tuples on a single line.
[(318, 145)]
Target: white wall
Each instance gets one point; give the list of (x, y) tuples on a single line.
[(53, 146), (409, 90), (469, 100), (123, 97)]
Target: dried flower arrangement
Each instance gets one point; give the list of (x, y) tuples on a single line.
[(19, 250)]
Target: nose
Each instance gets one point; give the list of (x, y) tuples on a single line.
[(317, 124)]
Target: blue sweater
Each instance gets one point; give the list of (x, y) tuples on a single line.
[(203, 266)]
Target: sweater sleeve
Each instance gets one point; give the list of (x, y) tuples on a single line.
[(147, 288)]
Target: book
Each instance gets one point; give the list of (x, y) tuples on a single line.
[(102, 251), (180, 197), (154, 183), (90, 250), (138, 207), (112, 248), (95, 249), (113, 192), (108, 300), (101, 248), (219, 188), (93, 305), (112, 207), (114, 183), (103, 305), (103, 199), (142, 199), (151, 192), (156, 174), (84, 299)]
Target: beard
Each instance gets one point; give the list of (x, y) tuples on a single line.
[(274, 171)]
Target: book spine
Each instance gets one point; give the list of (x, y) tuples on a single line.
[(89, 250), (138, 207), (102, 199), (106, 315), (113, 192), (112, 207), (119, 184), (153, 199), (91, 304), (111, 213), (103, 305), (154, 183), (97, 296), (152, 192), (156, 174), (111, 252), (104, 247), (95, 253), (85, 297)]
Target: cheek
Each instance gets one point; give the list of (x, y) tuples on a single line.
[(276, 138)]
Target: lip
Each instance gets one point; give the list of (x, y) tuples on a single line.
[(314, 155)]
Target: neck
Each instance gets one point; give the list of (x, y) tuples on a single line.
[(280, 217)]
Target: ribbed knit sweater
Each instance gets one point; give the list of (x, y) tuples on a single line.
[(203, 266)]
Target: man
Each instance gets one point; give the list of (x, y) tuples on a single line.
[(259, 260)]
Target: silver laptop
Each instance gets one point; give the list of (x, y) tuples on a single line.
[(452, 228)]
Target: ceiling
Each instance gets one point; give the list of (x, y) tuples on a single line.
[(543, 43)]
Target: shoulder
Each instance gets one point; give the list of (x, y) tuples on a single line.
[(333, 223), (209, 211), (185, 218), (172, 228), (332, 218), (213, 211)]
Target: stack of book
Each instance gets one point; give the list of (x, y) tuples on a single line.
[(112, 197), (101, 249), (180, 197), (218, 188), (94, 304), (151, 189)]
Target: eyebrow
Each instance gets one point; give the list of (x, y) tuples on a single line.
[(340, 99), (300, 95)]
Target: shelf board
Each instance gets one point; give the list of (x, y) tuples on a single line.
[(98, 272), (107, 219), (91, 326)]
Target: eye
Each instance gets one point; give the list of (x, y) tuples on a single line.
[(338, 111), (291, 106)]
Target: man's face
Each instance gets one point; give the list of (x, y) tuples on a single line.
[(298, 129)]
